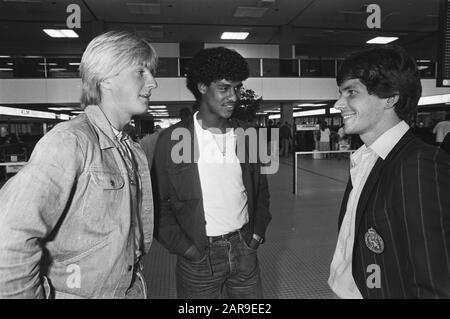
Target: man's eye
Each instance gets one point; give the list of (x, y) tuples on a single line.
[(352, 92)]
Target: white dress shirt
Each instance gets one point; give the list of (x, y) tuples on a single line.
[(341, 279)]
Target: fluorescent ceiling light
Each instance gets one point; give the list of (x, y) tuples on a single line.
[(158, 107), (382, 40), (274, 116), (312, 104), (5, 56), (48, 63), (309, 113), (6, 69), (74, 63), (234, 35), (434, 99), (63, 33), (57, 69), (423, 61), (62, 108), (77, 112)]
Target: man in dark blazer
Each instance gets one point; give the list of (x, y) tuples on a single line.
[(394, 224), (213, 202)]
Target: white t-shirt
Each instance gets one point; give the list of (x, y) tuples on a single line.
[(223, 191)]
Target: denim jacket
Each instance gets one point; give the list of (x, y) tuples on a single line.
[(65, 218)]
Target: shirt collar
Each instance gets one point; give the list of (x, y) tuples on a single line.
[(200, 129), (386, 142)]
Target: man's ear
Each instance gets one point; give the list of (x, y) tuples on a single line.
[(106, 84), (391, 101), (202, 88)]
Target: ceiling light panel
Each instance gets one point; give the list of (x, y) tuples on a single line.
[(234, 35), (63, 33), (382, 40)]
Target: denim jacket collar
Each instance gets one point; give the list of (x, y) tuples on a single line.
[(107, 138)]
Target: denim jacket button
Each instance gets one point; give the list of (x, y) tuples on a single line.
[(130, 268)]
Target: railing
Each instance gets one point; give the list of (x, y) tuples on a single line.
[(295, 170), (67, 67)]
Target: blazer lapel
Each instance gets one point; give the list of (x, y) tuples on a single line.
[(348, 189), (375, 175)]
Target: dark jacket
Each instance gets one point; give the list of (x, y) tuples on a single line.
[(180, 218), (406, 201)]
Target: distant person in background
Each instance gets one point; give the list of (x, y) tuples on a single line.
[(341, 132), (76, 221), (285, 137), (185, 113), (394, 224), (441, 129), (324, 142), (316, 135)]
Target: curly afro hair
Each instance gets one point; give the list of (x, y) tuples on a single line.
[(386, 71), (215, 64)]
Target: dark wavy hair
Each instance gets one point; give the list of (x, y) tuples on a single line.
[(215, 64), (386, 71)]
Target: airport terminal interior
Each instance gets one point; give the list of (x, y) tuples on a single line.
[(294, 49)]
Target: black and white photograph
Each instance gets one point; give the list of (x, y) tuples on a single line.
[(224, 154)]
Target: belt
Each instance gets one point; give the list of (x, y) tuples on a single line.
[(213, 239)]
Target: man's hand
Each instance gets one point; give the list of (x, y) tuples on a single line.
[(193, 254), (254, 244)]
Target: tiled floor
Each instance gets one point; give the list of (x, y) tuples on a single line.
[(300, 240)]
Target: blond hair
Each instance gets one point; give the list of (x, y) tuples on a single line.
[(107, 55)]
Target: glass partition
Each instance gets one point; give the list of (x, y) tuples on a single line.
[(317, 68), (254, 66), (280, 68), (67, 67), (63, 67), (167, 67)]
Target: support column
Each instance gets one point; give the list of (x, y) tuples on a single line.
[(286, 113)]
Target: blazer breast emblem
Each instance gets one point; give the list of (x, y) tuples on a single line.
[(374, 241)]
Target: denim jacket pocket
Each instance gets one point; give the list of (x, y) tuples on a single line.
[(107, 181), (104, 201)]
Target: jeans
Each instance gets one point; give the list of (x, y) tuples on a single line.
[(138, 288), (228, 269)]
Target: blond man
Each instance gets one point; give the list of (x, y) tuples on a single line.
[(77, 219)]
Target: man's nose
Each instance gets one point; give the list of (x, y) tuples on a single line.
[(340, 103), (234, 96), (151, 82)]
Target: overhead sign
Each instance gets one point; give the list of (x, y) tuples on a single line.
[(26, 113), (443, 65)]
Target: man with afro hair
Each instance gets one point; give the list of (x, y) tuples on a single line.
[(213, 204)]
